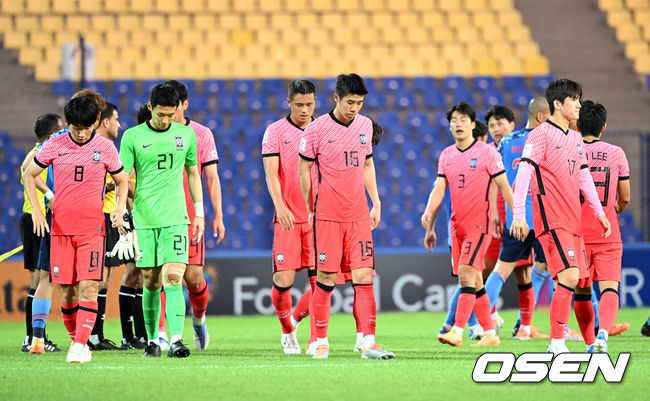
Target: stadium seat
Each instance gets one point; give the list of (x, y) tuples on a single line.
[(256, 102), (540, 82), (404, 99), (123, 88), (453, 82), (375, 100), (63, 88), (434, 99), (493, 97), (273, 87), (521, 97), (214, 86), (424, 84), (514, 83), (484, 83), (464, 95), (393, 84), (228, 103)]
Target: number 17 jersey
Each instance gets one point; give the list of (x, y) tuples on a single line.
[(159, 159)]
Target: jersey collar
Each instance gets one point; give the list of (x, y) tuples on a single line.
[(158, 130), (558, 127), (294, 124), (336, 120), (467, 148), (92, 136)]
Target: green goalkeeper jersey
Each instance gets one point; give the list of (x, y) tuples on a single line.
[(159, 158)]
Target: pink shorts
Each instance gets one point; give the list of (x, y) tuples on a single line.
[(604, 261), (564, 250), (343, 246), (74, 258), (469, 250), (293, 250)]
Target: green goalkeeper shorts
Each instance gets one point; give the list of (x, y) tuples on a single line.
[(162, 245)]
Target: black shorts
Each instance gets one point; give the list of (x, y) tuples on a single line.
[(112, 236), (44, 251), (513, 250), (31, 241)]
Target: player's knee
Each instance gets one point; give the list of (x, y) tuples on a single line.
[(283, 280)]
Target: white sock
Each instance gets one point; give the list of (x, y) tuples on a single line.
[(368, 341), (359, 338), (495, 316), (475, 327), (175, 338), (94, 339), (198, 321), (557, 341), (458, 329), (491, 332), (162, 334), (156, 341), (525, 328), (295, 323), (321, 341), (605, 333)]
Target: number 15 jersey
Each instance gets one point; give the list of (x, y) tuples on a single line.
[(159, 159), (340, 151)]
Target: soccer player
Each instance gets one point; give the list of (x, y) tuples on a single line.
[(293, 238), (516, 255), (468, 168), (339, 142), (159, 150), (645, 329), (38, 301), (81, 160), (611, 174), (207, 160), (556, 154)]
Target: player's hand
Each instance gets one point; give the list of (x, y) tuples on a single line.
[(425, 219), (375, 216), (110, 186), (117, 221), (40, 223), (497, 227), (430, 240), (519, 229), (123, 249), (604, 223), (198, 226), (50, 204), (219, 229), (285, 218)]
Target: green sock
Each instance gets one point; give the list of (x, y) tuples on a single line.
[(151, 311), (175, 309)]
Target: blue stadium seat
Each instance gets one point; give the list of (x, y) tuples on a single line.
[(190, 85), (273, 87), (540, 82), (124, 87), (135, 102), (255, 102), (126, 121), (464, 95), (440, 121), (521, 97), (424, 84), (241, 123), (97, 86), (267, 119), (388, 120), (484, 83), (434, 99), (648, 78), (5, 140), (243, 86), (214, 122), (198, 103), (375, 100), (514, 83), (228, 103), (393, 84), (329, 85), (147, 86), (453, 83), (404, 99), (214, 86), (417, 120), (63, 88), (491, 97)]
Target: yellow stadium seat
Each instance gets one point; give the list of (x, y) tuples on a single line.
[(204, 21), (364, 67), (146, 70), (475, 5), (449, 5), (379, 52), (424, 5), (346, 5), (387, 68), (118, 38), (77, 23), (292, 37), (116, 6), (642, 17), (94, 38), (433, 19), (53, 56), (270, 37), (636, 49), (165, 36), (106, 54), (458, 19), (382, 19), (608, 5), (229, 21), (15, 7), (371, 5), (255, 52), (154, 22), (256, 21), (64, 6), (392, 34), (483, 18), (294, 6), (26, 23), (268, 6), (320, 5), (52, 22), (268, 70), (217, 37), (65, 37), (143, 38), (128, 22), (291, 68), (417, 35), (443, 35), (357, 18), (467, 34), (487, 66), (169, 6), (171, 69), (461, 66), (413, 67), (15, 40), (403, 51), (408, 19), (616, 18), (500, 50), (242, 37), (179, 22), (642, 65), (398, 5), (332, 20), (190, 37), (318, 35), (120, 69), (477, 50), (526, 49), (30, 56), (6, 23), (502, 4), (35, 6), (509, 18), (281, 21), (492, 34), (437, 67), (511, 66), (156, 53), (101, 72), (47, 72), (628, 33), (132, 53), (427, 50), (306, 21), (536, 65), (453, 50), (141, 6), (342, 34), (100, 22), (90, 6), (518, 33), (218, 68), (645, 32), (218, 6), (192, 6), (367, 35), (354, 51), (637, 4), (243, 70)]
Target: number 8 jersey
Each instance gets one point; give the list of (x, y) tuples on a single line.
[(159, 159), (339, 151)]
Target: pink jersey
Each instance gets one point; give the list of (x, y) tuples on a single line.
[(557, 157), (501, 202), (608, 165), (79, 178), (282, 139), (469, 174), (206, 154), (339, 151)]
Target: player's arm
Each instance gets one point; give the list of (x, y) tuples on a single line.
[(282, 212), (623, 192), (430, 214), (40, 184), (305, 182), (519, 228), (370, 181), (194, 183), (29, 178), (121, 180), (586, 185), (497, 224), (214, 190)]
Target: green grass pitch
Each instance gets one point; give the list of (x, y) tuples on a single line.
[(245, 362)]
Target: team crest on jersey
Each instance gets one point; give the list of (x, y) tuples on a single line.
[(472, 163), (322, 257), (362, 138), (97, 155), (579, 149), (55, 270), (179, 142), (280, 258), (571, 254)]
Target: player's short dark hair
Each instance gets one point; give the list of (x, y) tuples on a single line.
[(144, 114), (593, 117), (99, 99), (46, 124), (480, 130), (164, 95), (499, 112), (561, 89), (377, 132), (180, 88), (350, 84), (108, 111), (81, 111), (462, 108), (301, 87)]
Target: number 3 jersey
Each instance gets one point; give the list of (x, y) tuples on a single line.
[(607, 165), (340, 152), (469, 174), (159, 159), (557, 157), (79, 177)]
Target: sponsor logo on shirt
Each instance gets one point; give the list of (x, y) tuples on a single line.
[(280, 258), (472, 163), (322, 257), (179, 142), (97, 155), (362, 138)]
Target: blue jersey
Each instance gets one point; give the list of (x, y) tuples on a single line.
[(50, 173), (511, 148)]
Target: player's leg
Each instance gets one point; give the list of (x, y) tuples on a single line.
[(198, 291), (31, 244), (583, 307), (606, 263), (97, 340), (34, 276), (151, 267), (526, 295), (301, 310), (307, 258), (162, 332), (127, 299), (41, 307)]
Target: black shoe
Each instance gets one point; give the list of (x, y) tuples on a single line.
[(516, 328), (152, 350), (178, 350), (51, 347), (103, 345), (645, 330), (26, 345)]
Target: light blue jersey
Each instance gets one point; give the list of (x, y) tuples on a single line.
[(511, 148)]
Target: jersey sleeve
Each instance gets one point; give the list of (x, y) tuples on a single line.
[(45, 155), (190, 156), (208, 151), (624, 167), (113, 163), (369, 140), (441, 163), (127, 155), (270, 142), (495, 163), (309, 143), (534, 149)]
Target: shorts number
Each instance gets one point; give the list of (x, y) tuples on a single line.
[(162, 161), (180, 243), (79, 173), (352, 158), (94, 259), (195, 246), (367, 250), (604, 183)]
